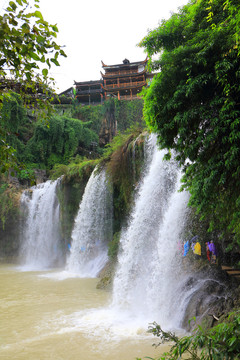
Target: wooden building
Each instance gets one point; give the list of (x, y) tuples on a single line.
[(124, 81), (89, 92)]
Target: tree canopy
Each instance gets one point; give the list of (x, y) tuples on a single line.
[(193, 103), (27, 51), (27, 42)]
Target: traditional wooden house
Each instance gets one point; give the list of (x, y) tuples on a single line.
[(126, 80), (123, 81), (89, 92)]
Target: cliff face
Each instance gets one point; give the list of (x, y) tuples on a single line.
[(9, 221), (108, 128), (215, 294)]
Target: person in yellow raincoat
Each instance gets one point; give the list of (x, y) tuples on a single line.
[(197, 250)]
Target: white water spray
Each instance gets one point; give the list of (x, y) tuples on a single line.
[(92, 229), (40, 244), (148, 270), (147, 282)]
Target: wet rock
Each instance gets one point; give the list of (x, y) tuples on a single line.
[(106, 276), (40, 176), (210, 298)]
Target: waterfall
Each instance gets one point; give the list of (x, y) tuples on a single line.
[(40, 243), (93, 228), (148, 271)]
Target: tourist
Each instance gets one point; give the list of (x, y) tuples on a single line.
[(197, 250), (208, 252), (213, 251), (186, 248)]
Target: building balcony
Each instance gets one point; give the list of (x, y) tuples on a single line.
[(89, 91), (132, 85), (122, 72)]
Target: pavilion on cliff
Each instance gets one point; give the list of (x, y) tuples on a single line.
[(123, 81)]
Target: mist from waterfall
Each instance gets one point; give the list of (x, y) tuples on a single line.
[(148, 274), (92, 228), (40, 236)]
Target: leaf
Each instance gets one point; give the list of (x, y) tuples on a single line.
[(13, 5), (25, 27), (55, 28), (55, 62), (45, 72), (34, 56), (38, 14), (28, 75)]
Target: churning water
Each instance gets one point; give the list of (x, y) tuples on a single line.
[(40, 243), (148, 272), (147, 282), (92, 228)]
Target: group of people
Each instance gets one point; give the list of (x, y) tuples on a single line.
[(195, 245)]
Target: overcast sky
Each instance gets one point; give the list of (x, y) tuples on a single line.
[(95, 30)]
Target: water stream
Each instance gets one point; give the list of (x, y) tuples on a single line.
[(40, 237), (92, 229)]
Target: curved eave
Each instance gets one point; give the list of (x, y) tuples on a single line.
[(88, 83), (125, 65)]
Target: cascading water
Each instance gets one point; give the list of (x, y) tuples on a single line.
[(148, 277), (40, 244), (92, 229), (148, 271)]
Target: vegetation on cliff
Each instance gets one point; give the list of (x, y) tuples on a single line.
[(193, 104), (220, 342)]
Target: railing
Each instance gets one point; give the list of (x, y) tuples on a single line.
[(128, 97), (122, 72), (125, 85), (92, 91)]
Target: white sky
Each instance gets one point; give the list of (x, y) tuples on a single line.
[(95, 30)]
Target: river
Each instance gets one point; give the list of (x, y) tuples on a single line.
[(50, 315)]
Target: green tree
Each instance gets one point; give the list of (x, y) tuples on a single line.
[(218, 343), (27, 51), (56, 143), (193, 103)]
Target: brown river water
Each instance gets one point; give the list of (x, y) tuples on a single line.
[(52, 316)]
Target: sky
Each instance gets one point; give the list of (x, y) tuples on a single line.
[(95, 30)]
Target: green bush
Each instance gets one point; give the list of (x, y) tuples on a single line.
[(59, 142), (218, 343)]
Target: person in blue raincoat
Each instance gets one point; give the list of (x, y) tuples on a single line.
[(186, 248)]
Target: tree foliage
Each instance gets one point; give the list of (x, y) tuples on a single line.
[(218, 343), (128, 113), (58, 142), (27, 51), (193, 103), (26, 42)]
